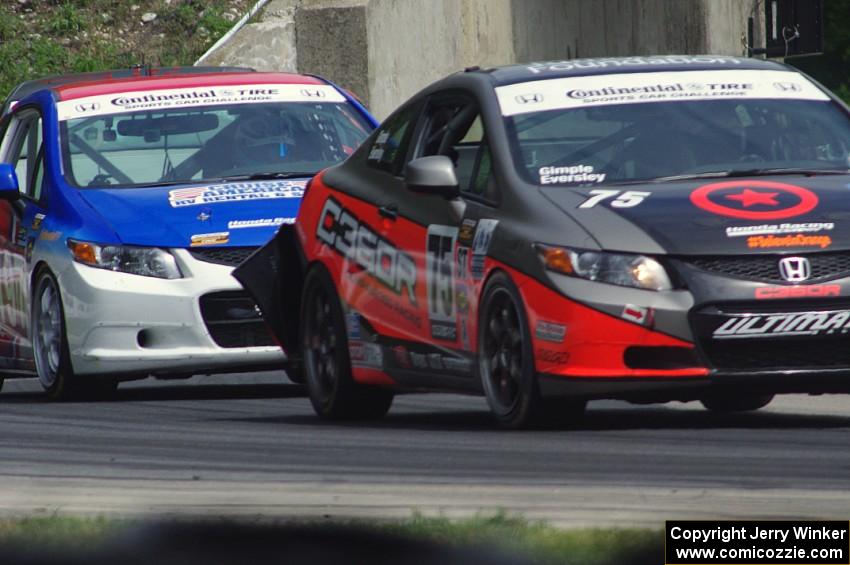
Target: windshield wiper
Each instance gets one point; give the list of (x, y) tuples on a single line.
[(751, 173), (267, 176)]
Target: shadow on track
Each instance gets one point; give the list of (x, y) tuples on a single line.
[(176, 392), (601, 419)]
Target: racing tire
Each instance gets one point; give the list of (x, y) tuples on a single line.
[(327, 365), (50, 347), (295, 373), (725, 404), (506, 363)]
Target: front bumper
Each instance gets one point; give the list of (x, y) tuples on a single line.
[(681, 350), (127, 325)]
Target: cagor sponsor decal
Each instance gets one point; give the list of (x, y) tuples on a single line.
[(343, 232), (813, 291)]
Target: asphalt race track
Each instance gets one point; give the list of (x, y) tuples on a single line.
[(215, 445)]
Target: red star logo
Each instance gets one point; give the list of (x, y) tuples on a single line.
[(749, 198)]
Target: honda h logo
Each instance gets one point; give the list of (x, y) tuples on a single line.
[(529, 98), (787, 87), (312, 93), (795, 269), (87, 107)]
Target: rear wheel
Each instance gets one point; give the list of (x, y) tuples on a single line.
[(327, 366), (730, 402), (506, 362)]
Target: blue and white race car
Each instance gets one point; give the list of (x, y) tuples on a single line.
[(127, 198)]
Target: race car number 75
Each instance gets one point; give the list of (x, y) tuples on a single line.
[(626, 199)]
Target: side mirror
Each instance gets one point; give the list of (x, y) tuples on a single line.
[(8, 183), (432, 175)]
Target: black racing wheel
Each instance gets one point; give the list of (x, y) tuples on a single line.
[(327, 365)]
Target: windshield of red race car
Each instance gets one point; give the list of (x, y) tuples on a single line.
[(180, 144), (654, 130)]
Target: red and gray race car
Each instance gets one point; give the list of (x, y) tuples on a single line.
[(651, 229)]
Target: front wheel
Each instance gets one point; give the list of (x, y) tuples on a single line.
[(506, 363), (50, 347), (49, 343), (326, 361), (731, 402)]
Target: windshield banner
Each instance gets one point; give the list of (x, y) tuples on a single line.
[(636, 88), (170, 99), (232, 192)]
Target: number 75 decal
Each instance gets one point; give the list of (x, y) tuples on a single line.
[(624, 199)]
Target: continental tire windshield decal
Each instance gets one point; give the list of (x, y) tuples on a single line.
[(636, 88), (120, 103)]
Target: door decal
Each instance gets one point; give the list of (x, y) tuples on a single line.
[(440, 269)]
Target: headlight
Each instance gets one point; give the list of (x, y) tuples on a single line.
[(622, 269), (144, 261)]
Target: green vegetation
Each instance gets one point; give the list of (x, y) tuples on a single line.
[(831, 67), (537, 539), (48, 37), (508, 533), (71, 532)]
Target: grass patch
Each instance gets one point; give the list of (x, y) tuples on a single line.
[(516, 534), (49, 37), (58, 531), (509, 533)]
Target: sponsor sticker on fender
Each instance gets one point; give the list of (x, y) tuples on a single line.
[(235, 192), (550, 331), (637, 314), (168, 99), (754, 199), (784, 325), (365, 354), (552, 356), (638, 88), (480, 246)]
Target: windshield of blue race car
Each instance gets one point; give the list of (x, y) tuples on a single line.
[(194, 135), (615, 129)]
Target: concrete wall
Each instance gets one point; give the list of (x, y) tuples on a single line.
[(409, 47), (267, 44), (386, 50)]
